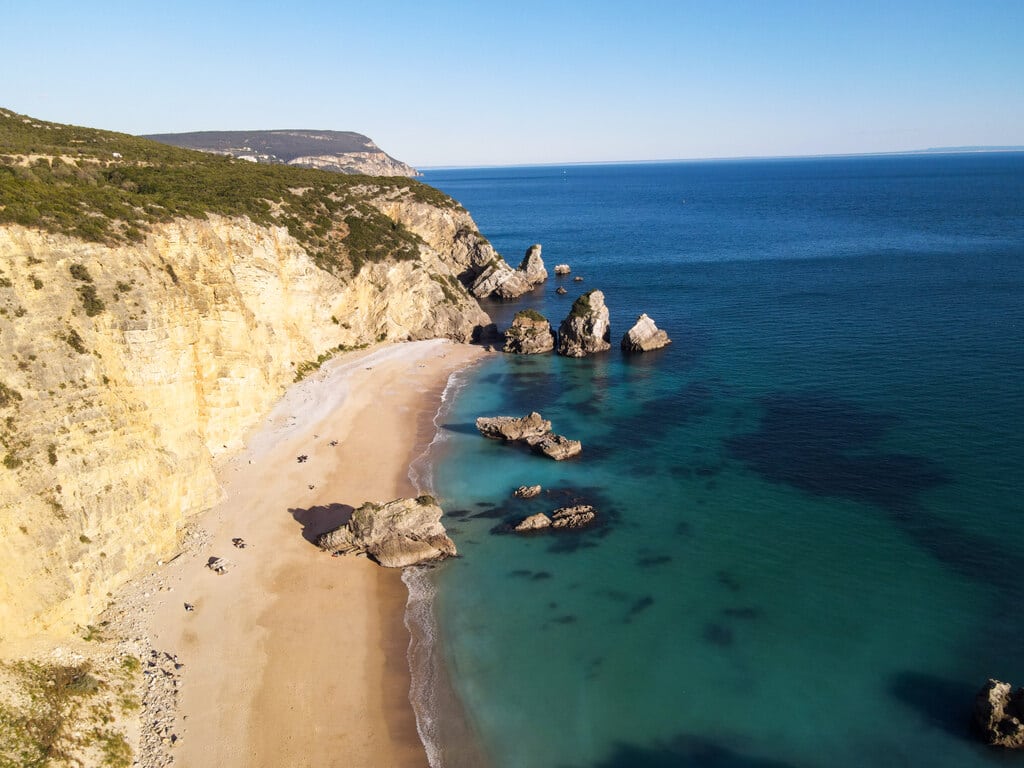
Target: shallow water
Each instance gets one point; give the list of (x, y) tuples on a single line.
[(808, 540)]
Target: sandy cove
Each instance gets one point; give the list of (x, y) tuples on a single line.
[(295, 658)]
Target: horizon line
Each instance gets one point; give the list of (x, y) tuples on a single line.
[(961, 150)]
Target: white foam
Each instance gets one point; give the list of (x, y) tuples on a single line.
[(423, 664)]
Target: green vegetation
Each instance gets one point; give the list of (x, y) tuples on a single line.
[(60, 709), (79, 272), (532, 314), (425, 500), (8, 396), (66, 179), (304, 369), (51, 453), (75, 341), (581, 307), (36, 282), (93, 304)]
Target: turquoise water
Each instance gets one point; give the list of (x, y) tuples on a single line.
[(809, 509)]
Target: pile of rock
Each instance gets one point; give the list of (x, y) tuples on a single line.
[(644, 336), (564, 517), (396, 534), (532, 429), (529, 334)]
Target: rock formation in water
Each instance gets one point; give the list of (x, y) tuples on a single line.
[(532, 266), (529, 334), (533, 430), (586, 329), (644, 336), (527, 491), (562, 518), (136, 351), (562, 269), (999, 714), (498, 279), (561, 291), (396, 534)]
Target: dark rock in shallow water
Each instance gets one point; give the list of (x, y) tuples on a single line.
[(533, 430), (998, 714), (556, 447), (527, 491), (561, 291)]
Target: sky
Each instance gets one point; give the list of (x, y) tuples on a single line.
[(446, 83)]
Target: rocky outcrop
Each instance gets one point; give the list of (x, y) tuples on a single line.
[(124, 405), (563, 518), (529, 334), (561, 291), (644, 336), (396, 534), (533, 430), (999, 714), (586, 329), (514, 428), (532, 266), (499, 279), (527, 491), (562, 269)]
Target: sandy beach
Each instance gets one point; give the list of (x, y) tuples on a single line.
[(294, 657)]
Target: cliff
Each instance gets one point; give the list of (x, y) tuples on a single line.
[(136, 348), (339, 151)]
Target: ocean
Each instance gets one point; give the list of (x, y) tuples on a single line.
[(810, 543)]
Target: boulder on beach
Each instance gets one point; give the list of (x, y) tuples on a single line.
[(534, 430), (586, 329), (529, 334), (532, 266), (644, 336), (562, 269), (527, 491), (999, 714), (396, 534)]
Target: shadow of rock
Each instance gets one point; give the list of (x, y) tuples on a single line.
[(683, 752), (944, 704), (321, 519)]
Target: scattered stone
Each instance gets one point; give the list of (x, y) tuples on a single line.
[(586, 329), (529, 334), (219, 565), (189, 607), (644, 336), (998, 712), (562, 269), (527, 491), (534, 523), (560, 290), (396, 534), (238, 542)]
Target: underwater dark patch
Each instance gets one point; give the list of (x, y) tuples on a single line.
[(942, 703), (457, 514), (728, 581), (742, 613), (717, 634), (638, 607), (683, 751), (540, 576), (650, 561)]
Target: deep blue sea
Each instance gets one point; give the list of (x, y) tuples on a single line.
[(811, 538)]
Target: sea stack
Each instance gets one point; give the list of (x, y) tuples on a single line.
[(644, 336), (529, 334), (562, 269), (586, 329), (532, 266), (998, 714)]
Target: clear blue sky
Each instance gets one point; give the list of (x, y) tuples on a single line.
[(438, 82)]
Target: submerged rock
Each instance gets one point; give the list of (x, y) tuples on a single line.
[(533, 430), (644, 336), (529, 334), (532, 266), (586, 330), (527, 491), (562, 269), (998, 713), (396, 534)]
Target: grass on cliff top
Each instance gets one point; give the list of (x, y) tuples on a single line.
[(110, 187), (532, 314), (581, 307)]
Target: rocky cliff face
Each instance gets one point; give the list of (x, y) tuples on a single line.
[(126, 369), (366, 163)]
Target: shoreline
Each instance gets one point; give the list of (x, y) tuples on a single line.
[(293, 657)]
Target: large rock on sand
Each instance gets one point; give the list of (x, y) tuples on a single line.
[(644, 336), (586, 329), (998, 713), (529, 334), (396, 534)]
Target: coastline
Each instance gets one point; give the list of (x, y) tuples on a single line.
[(293, 657)]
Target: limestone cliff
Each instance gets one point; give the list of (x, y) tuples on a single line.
[(126, 368)]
